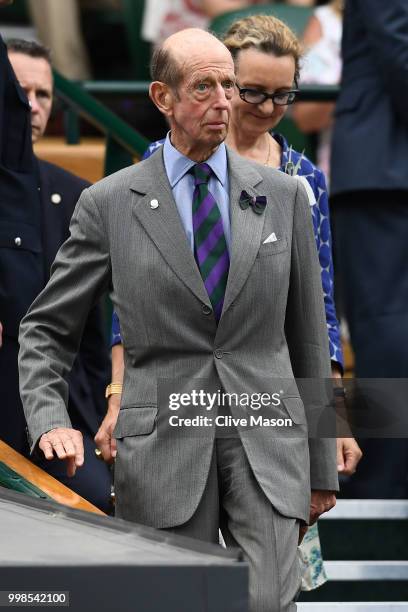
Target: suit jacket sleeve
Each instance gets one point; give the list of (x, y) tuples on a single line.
[(306, 334), (55, 321), (386, 26)]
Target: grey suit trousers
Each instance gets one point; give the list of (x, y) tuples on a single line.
[(234, 501)]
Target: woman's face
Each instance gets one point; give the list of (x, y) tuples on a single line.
[(267, 73)]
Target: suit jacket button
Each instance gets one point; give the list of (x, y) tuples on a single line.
[(17, 241), (206, 309), (56, 198), (218, 353)]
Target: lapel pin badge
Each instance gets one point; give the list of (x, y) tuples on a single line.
[(154, 204)]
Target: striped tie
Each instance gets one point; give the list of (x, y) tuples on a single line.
[(210, 247)]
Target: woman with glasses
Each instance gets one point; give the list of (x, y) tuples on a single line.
[(267, 62)]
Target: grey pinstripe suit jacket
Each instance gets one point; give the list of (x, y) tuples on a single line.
[(273, 325)]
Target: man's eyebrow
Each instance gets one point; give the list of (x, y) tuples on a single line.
[(214, 78), (203, 76)]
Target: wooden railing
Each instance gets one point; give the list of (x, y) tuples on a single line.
[(20, 474)]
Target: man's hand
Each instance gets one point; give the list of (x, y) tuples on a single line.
[(321, 502), (66, 444), (348, 455), (103, 438)]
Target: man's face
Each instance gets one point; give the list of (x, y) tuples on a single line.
[(201, 107), (35, 77)]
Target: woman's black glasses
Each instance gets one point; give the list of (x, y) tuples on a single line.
[(254, 96)]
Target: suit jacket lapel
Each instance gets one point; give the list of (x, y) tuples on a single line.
[(246, 226), (163, 224)]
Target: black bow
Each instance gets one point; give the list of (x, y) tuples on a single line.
[(257, 203)]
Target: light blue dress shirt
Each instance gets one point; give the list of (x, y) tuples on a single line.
[(181, 181)]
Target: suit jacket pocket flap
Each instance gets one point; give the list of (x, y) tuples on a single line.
[(135, 421), (295, 408)]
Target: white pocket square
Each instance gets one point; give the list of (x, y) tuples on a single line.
[(271, 238)]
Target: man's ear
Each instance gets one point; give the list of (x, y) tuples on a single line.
[(162, 96)]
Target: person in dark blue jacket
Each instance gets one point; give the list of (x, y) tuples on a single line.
[(20, 207), (34, 224), (370, 204)]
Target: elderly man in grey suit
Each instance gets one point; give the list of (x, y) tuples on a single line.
[(212, 269)]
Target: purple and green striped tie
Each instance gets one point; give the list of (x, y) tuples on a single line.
[(210, 247)]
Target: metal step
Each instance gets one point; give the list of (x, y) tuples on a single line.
[(366, 570), (360, 529), (350, 606), (368, 509)]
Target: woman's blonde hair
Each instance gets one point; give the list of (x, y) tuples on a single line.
[(264, 33), (337, 6)]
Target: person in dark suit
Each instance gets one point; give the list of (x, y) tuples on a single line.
[(370, 211), (32, 250)]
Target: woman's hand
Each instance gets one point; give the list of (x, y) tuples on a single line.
[(103, 439), (348, 455)]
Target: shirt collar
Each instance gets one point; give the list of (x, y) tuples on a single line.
[(177, 164)]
